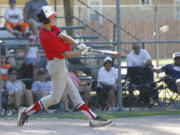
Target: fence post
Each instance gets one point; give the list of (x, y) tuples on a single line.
[(55, 5), (0, 81), (156, 36), (119, 50)]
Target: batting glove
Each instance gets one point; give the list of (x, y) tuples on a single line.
[(81, 47), (85, 51)]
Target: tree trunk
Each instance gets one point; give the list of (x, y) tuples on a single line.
[(68, 13)]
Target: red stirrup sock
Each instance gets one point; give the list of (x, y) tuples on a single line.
[(34, 108), (86, 111)]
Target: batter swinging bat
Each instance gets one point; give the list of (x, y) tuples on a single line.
[(107, 52)]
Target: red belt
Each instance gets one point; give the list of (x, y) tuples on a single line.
[(50, 58)]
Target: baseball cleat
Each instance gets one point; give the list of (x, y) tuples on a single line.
[(99, 121), (22, 117)]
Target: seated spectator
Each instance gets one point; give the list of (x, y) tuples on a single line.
[(173, 71), (4, 68), (29, 72), (18, 95), (14, 21), (32, 56), (140, 58), (42, 87), (84, 87), (30, 14), (4, 71), (107, 79)]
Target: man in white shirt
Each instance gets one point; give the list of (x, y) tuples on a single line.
[(14, 20), (138, 57), (107, 79), (139, 71)]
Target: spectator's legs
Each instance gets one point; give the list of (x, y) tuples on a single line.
[(85, 90), (9, 27), (25, 29), (178, 85), (16, 98), (65, 101), (111, 97), (117, 98), (29, 97), (33, 25), (43, 94)]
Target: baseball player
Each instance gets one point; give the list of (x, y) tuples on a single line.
[(56, 46)]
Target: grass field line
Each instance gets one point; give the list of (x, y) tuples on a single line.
[(110, 115)]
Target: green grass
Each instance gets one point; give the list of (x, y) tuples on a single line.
[(107, 115)]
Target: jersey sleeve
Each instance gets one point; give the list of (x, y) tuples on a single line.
[(146, 55), (57, 30)]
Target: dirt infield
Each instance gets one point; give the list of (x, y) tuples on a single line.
[(157, 125)]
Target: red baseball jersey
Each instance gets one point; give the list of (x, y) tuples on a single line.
[(52, 44)]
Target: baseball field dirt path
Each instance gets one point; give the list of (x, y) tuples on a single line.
[(156, 125)]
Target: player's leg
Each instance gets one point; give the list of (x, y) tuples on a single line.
[(59, 78), (94, 120)]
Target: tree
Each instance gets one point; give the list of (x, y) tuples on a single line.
[(68, 13)]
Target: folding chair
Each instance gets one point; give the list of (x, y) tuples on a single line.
[(141, 86)]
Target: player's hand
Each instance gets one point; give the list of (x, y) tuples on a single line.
[(81, 47), (85, 51)]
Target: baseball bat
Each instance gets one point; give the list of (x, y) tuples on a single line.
[(107, 52)]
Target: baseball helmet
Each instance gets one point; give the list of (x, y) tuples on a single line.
[(44, 14)]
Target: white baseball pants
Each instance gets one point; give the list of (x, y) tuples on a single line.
[(60, 82)]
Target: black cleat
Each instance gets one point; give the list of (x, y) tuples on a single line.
[(99, 121), (22, 117)]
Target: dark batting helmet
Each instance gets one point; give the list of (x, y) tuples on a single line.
[(44, 14)]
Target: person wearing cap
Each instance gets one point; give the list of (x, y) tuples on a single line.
[(30, 11), (14, 20), (172, 70), (107, 79), (57, 47)]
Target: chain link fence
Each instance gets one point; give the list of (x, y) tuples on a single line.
[(152, 24)]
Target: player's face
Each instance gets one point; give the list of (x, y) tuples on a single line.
[(52, 20)]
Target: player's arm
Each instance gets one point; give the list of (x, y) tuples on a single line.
[(68, 39), (75, 53), (71, 41), (71, 54)]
